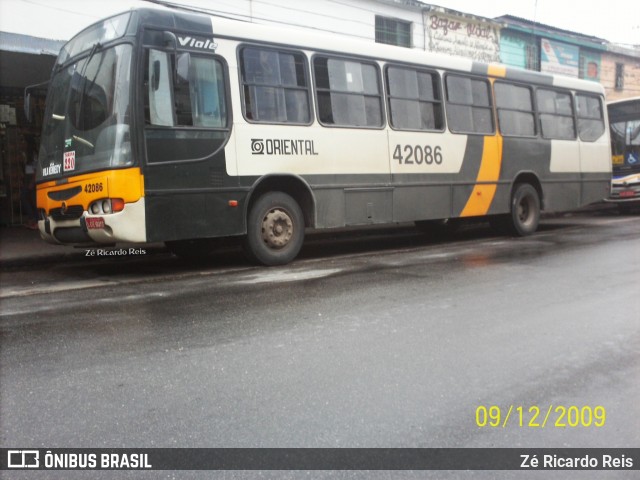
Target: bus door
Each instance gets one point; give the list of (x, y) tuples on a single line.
[(626, 146), (595, 149), (186, 125)]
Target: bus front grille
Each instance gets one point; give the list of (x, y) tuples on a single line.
[(70, 213)]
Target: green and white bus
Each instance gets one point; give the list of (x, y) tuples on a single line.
[(164, 125)]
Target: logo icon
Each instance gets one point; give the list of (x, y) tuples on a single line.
[(23, 459), (257, 146)]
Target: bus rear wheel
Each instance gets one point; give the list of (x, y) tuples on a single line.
[(525, 210), (275, 230)]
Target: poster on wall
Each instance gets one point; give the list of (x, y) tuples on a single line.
[(464, 37), (556, 57), (590, 65)]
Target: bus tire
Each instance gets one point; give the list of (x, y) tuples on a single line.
[(524, 216), (275, 230)]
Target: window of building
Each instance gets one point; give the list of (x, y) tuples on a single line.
[(415, 102), (556, 114), (515, 110), (393, 32), (348, 92), (619, 83), (533, 62), (590, 118), (469, 107), (275, 86)]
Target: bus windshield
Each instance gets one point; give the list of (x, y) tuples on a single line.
[(86, 124), (625, 144), (624, 118)]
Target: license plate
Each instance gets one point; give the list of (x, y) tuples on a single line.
[(627, 193), (94, 223)]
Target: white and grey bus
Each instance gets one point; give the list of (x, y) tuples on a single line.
[(164, 125)]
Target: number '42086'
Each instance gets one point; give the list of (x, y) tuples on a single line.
[(418, 154), (93, 187)]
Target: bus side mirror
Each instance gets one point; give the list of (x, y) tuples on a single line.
[(27, 106), (170, 39), (27, 99)]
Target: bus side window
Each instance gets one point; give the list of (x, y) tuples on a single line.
[(206, 93), (590, 119), (275, 86), (415, 102), (469, 107), (556, 114), (159, 110), (348, 92), (194, 98), (515, 110)]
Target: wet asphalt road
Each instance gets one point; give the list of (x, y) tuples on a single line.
[(373, 339)]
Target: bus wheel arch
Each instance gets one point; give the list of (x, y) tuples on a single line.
[(531, 179), (526, 203), (525, 206), (293, 186), (278, 210)]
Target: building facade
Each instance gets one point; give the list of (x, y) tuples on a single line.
[(414, 24), (534, 46)]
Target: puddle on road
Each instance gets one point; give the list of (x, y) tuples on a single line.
[(286, 276)]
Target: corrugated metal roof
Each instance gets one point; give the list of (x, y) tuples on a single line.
[(15, 42), (513, 20)]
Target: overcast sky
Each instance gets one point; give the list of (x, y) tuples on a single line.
[(615, 20)]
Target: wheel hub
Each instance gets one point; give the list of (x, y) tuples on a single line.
[(524, 211), (277, 229)]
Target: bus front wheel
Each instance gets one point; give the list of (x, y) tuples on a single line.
[(275, 230)]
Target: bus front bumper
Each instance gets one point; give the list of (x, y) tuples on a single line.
[(625, 190), (127, 226)]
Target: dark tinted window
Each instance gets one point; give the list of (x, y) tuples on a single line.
[(275, 86), (469, 105), (515, 110), (556, 114), (590, 119), (348, 92), (414, 99)]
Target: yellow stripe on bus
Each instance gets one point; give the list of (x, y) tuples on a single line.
[(482, 195), (494, 70)]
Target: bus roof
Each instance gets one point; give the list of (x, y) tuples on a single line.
[(306, 39), (627, 109), (623, 101), (318, 41)]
